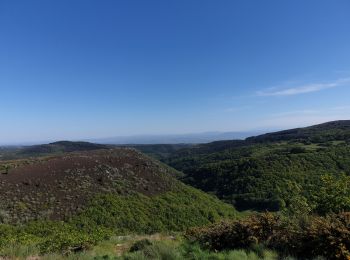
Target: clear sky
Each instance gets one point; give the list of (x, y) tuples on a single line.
[(74, 69)]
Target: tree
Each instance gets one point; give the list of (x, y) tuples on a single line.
[(294, 202), (333, 195)]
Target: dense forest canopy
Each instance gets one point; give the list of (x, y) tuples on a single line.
[(263, 172)]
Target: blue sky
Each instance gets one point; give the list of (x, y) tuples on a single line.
[(90, 69)]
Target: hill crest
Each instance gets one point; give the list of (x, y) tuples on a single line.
[(54, 187)]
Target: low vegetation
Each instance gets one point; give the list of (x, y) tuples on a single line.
[(23, 152), (261, 172), (90, 196), (121, 204), (60, 186), (158, 246), (109, 215), (306, 237)]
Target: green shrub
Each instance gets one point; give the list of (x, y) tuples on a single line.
[(244, 234), (325, 236), (157, 250), (140, 245), (19, 251), (165, 251), (332, 194), (172, 211), (110, 214)]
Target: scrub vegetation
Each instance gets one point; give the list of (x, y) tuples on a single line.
[(294, 188)]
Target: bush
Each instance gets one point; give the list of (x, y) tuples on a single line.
[(157, 250), (171, 211), (332, 194), (140, 245), (110, 214), (236, 234), (327, 236), (316, 236)]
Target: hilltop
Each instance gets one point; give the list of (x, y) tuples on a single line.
[(52, 187), (60, 186), (60, 147), (330, 131)]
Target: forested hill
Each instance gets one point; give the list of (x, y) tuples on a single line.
[(60, 147), (331, 131), (74, 200), (62, 186), (322, 133), (263, 172)]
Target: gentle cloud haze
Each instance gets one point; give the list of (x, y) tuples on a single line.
[(313, 87)]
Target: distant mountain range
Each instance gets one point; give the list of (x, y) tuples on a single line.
[(192, 138)]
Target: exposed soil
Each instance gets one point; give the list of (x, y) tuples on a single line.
[(55, 187)]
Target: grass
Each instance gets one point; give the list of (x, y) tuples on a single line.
[(159, 247), (19, 251), (163, 249)]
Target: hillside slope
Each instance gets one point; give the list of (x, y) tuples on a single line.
[(61, 186), (330, 131), (263, 172)]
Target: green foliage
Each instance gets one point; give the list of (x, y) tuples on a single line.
[(293, 202), (20, 251), (49, 236), (157, 250), (115, 214), (256, 175), (168, 251), (326, 236), (322, 133), (11, 153), (333, 194), (140, 245), (174, 211)]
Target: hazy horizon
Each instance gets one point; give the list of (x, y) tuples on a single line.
[(77, 70), (171, 138), (211, 135)]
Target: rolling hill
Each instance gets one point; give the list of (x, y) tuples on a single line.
[(60, 186), (69, 196), (330, 131), (262, 172), (13, 152)]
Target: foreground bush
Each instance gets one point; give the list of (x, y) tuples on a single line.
[(110, 214), (316, 236)]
